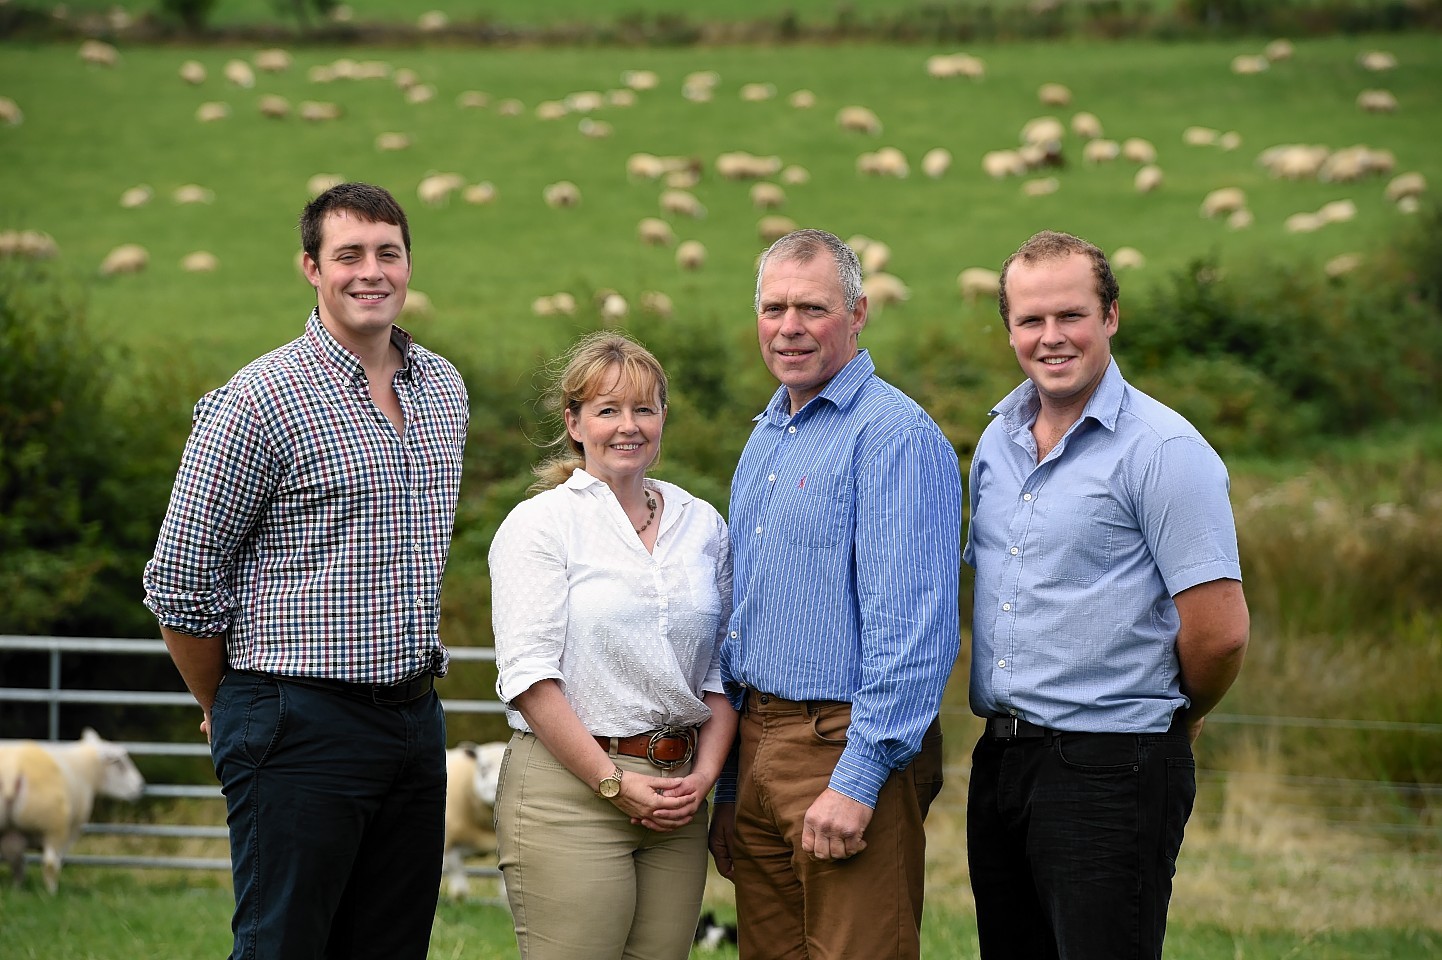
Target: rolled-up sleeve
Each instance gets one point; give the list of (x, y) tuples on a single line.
[(528, 601)]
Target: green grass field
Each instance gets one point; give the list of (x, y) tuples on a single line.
[(90, 133)]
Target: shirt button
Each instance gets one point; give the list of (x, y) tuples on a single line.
[(1001, 663), (1026, 496), (771, 479), (790, 429), (1006, 606), (1012, 711), (1014, 551), (734, 634), (758, 529)]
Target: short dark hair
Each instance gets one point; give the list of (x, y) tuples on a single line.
[(1053, 245), (367, 201)]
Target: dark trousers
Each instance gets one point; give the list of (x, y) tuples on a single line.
[(1072, 841), (336, 809)]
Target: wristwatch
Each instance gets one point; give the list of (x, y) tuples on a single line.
[(610, 786)]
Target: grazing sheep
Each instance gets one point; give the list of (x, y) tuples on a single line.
[(1200, 136), (273, 60), (946, 66), (561, 195), (321, 182), (390, 142), (1139, 151), (621, 98), (274, 106), (1148, 178), (657, 304), (875, 256), (405, 78), (978, 282), (1230, 140), (479, 194), (1405, 186), (47, 792), (318, 111), (238, 73), (201, 261), (936, 162), (1128, 258), (510, 107), (640, 79), (473, 100), (886, 162), (1101, 151), (998, 164), (767, 196), (126, 258), (432, 21), (420, 93), (655, 232), (98, 53), (137, 196), (859, 120), (1250, 63), (10, 112), (435, 189), (543, 307), (682, 179), (691, 255), (1376, 61), (192, 193), (1377, 101), (1086, 125), (758, 92), (1239, 219), (1342, 264), (802, 99), (1054, 95), (1223, 200), (680, 203), (1338, 211), (28, 245), (1304, 223), (644, 166), (1041, 186), (1278, 50), (740, 165), (774, 227), (211, 111), (614, 307), (795, 175), (472, 774), (594, 129), (884, 289), (417, 304), (192, 72), (1041, 130)]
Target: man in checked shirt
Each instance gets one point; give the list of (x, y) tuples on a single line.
[(297, 580)]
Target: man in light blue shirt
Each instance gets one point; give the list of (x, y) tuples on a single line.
[(1108, 621), (846, 534)]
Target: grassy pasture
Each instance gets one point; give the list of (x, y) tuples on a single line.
[(91, 133)]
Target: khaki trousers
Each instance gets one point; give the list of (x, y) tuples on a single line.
[(583, 883), (789, 906)]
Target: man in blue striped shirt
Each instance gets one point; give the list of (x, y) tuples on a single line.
[(297, 581), (1108, 620), (846, 532)]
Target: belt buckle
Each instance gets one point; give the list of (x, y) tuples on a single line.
[(1005, 728), (666, 733)]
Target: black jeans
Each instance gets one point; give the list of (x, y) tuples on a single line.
[(336, 809), (1072, 841)]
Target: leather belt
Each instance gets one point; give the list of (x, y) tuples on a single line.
[(1014, 728), (665, 748), (386, 694)]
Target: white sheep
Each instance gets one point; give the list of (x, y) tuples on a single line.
[(1041, 130), (211, 111), (1139, 151), (802, 99), (875, 256), (1148, 178), (978, 282), (201, 261), (417, 304), (1002, 163), (859, 120), (318, 111), (510, 107), (392, 141), (1278, 50), (126, 258), (740, 165), (594, 129), (691, 255), (563, 194), (1405, 186), (1229, 141), (1304, 223), (192, 72), (1200, 136), (28, 245), (774, 227), (435, 189), (1040, 186), (1086, 125), (1338, 211), (550, 110), (1377, 101), (614, 307), (946, 66), (420, 93), (10, 112), (794, 175), (239, 73), (321, 182), (137, 196), (1376, 61), (1054, 95), (935, 162), (472, 774), (1342, 264), (656, 304), (1250, 63), (757, 92), (1101, 150), (884, 289), (1223, 200), (640, 79), (273, 60), (621, 98), (1128, 258), (192, 193), (433, 21), (405, 78), (47, 792), (473, 100), (655, 232), (479, 194), (682, 204), (766, 195), (274, 106), (1240, 219), (98, 53)]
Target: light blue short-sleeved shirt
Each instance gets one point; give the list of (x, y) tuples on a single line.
[(1078, 557)]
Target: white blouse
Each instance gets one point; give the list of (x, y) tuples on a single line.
[(634, 638)]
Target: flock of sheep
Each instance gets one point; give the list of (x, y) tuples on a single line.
[(1044, 143)]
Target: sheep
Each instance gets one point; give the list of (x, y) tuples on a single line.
[(1304, 223), (28, 245), (10, 113), (1086, 125), (432, 21), (405, 78), (640, 79), (767, 196), (621, 98), (472, 774), (274, 106), (935, 162), (211, 111), (758, 92), (655, 232), (702, 79), (473, 100), (691, 255), (1200, 136), (859, 120), (1376, 61), (614, 307), (886, 162), (1249, 63), (238, 73), (47, 792), (1040, 186), (192, 193), (479, 194), (420, 93), (998, 164), (1347, 165), (98, 53), (192, 72), (946, 66), (390, 142), (126, 258), (802, 99), (594, 129), (1342, 264), (1239, 219), (1338, 211), (740, 165), (1229, 141), (1223, 200), (1128, 258), (977, 282), (543, 307), (875, 256), (1139, 151), (201, 261), (884, 289), (684, 179), (1148, 178), (1405, 186), (1039, 130), (318, 111), (657, 304), (321, 182), (1377, 101), (1278, 50), (774, 227), (682, 204), (510, 107), (795, 175), (273, 60), (1101, 151), (137, 196), (644, 166), (435, 189), (1053, 95), (417, 304)]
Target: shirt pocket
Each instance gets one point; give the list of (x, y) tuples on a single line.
[(1072, 537), (818, 512)]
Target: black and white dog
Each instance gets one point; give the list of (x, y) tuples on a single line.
[(711, 933)]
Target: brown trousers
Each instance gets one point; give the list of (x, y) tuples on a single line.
[(790, 906)]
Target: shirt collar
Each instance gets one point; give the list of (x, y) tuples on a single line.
[(349, 365), (1019, 408), (581, 480), (841, 390)]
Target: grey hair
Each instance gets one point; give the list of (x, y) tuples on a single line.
[(800, 246)]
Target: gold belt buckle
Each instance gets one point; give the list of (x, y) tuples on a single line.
[(667, 733)]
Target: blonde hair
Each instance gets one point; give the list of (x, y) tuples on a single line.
[(583, 374)]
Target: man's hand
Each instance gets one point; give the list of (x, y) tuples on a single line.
[(834, 825), (723, 830)]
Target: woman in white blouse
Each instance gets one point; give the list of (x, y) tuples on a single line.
[(610, 594)]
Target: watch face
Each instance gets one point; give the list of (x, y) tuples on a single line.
[(611, 786)]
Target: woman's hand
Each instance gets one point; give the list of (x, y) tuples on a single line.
[(679, 800)]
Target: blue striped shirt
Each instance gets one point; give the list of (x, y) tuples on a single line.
[(846, 540), (304, 527), (1077, 560)]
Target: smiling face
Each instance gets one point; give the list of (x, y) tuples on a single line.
[(1057, 327), (360, 276), (806, 332), (618, 428)]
